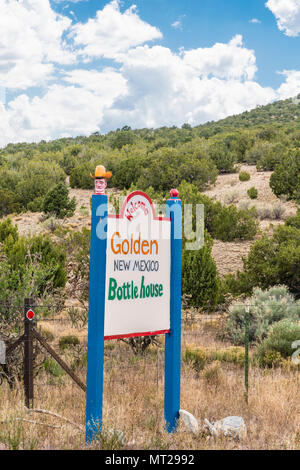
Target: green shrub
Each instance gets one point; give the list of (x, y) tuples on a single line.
[(272, 158), (80, 176), (222, 156), (8, 230), (244, 176), (195, 357), (57, 202), (232, 355), (234, 224), (252, 193), (294, 221), (8, 203), (53, 368), (267, 307), (68, 341), (110, 439), (70, 158), (275, 260), (266, 155), (189, 194), (128, 171), (122, 137), (270, 358), (84, 211), (199, 278), (8, 179), (278, 342), (36, 205), (36, 179), (223, 223), (270, 262), (285, 180), (39, 249), (167, 168)]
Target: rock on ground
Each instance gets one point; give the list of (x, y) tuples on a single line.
[(232, 426), (190, 421)]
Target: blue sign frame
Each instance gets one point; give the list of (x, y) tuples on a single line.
[(94, 394)]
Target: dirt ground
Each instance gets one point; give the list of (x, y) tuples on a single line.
[(133, 403), (230, 183)]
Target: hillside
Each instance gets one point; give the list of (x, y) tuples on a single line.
[(284, 114), (209, 157)]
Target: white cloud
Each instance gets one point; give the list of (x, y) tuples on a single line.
[(165, 89), (287, 13), (255, 21), (30, 42), (70, 1), (178, 23), (109, 84), (229, 61), (291, 86), (153, 87), (77, 108), (147, 86), (112, 32)]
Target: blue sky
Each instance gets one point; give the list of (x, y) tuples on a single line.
[(74, 67), (205, 22)]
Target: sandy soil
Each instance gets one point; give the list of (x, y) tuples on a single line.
[(230, 183), (229, 256)]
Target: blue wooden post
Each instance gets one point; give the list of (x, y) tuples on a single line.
[(96, 317), (173, 339)]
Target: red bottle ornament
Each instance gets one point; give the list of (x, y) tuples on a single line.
[(174, 193)]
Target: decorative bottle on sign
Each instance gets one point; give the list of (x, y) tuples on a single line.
[(174, 193), (100, 177)]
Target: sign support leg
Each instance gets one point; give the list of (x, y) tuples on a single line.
[(173, 339), (94, 395)]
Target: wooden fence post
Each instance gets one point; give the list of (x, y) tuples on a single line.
[(247, 321), (28, 355)]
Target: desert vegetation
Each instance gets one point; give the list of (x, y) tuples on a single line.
[(245, 171)]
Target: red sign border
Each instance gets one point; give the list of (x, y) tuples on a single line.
[(127, 199), (121, 216)]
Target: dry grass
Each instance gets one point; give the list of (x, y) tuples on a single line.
[(133, 403)]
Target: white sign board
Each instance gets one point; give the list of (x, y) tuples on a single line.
[(137, 270)]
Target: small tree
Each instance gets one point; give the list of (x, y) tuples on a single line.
[(252, 193), (285, 180), (244, 176), (57, 202), (8, 203), (200, 279)]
